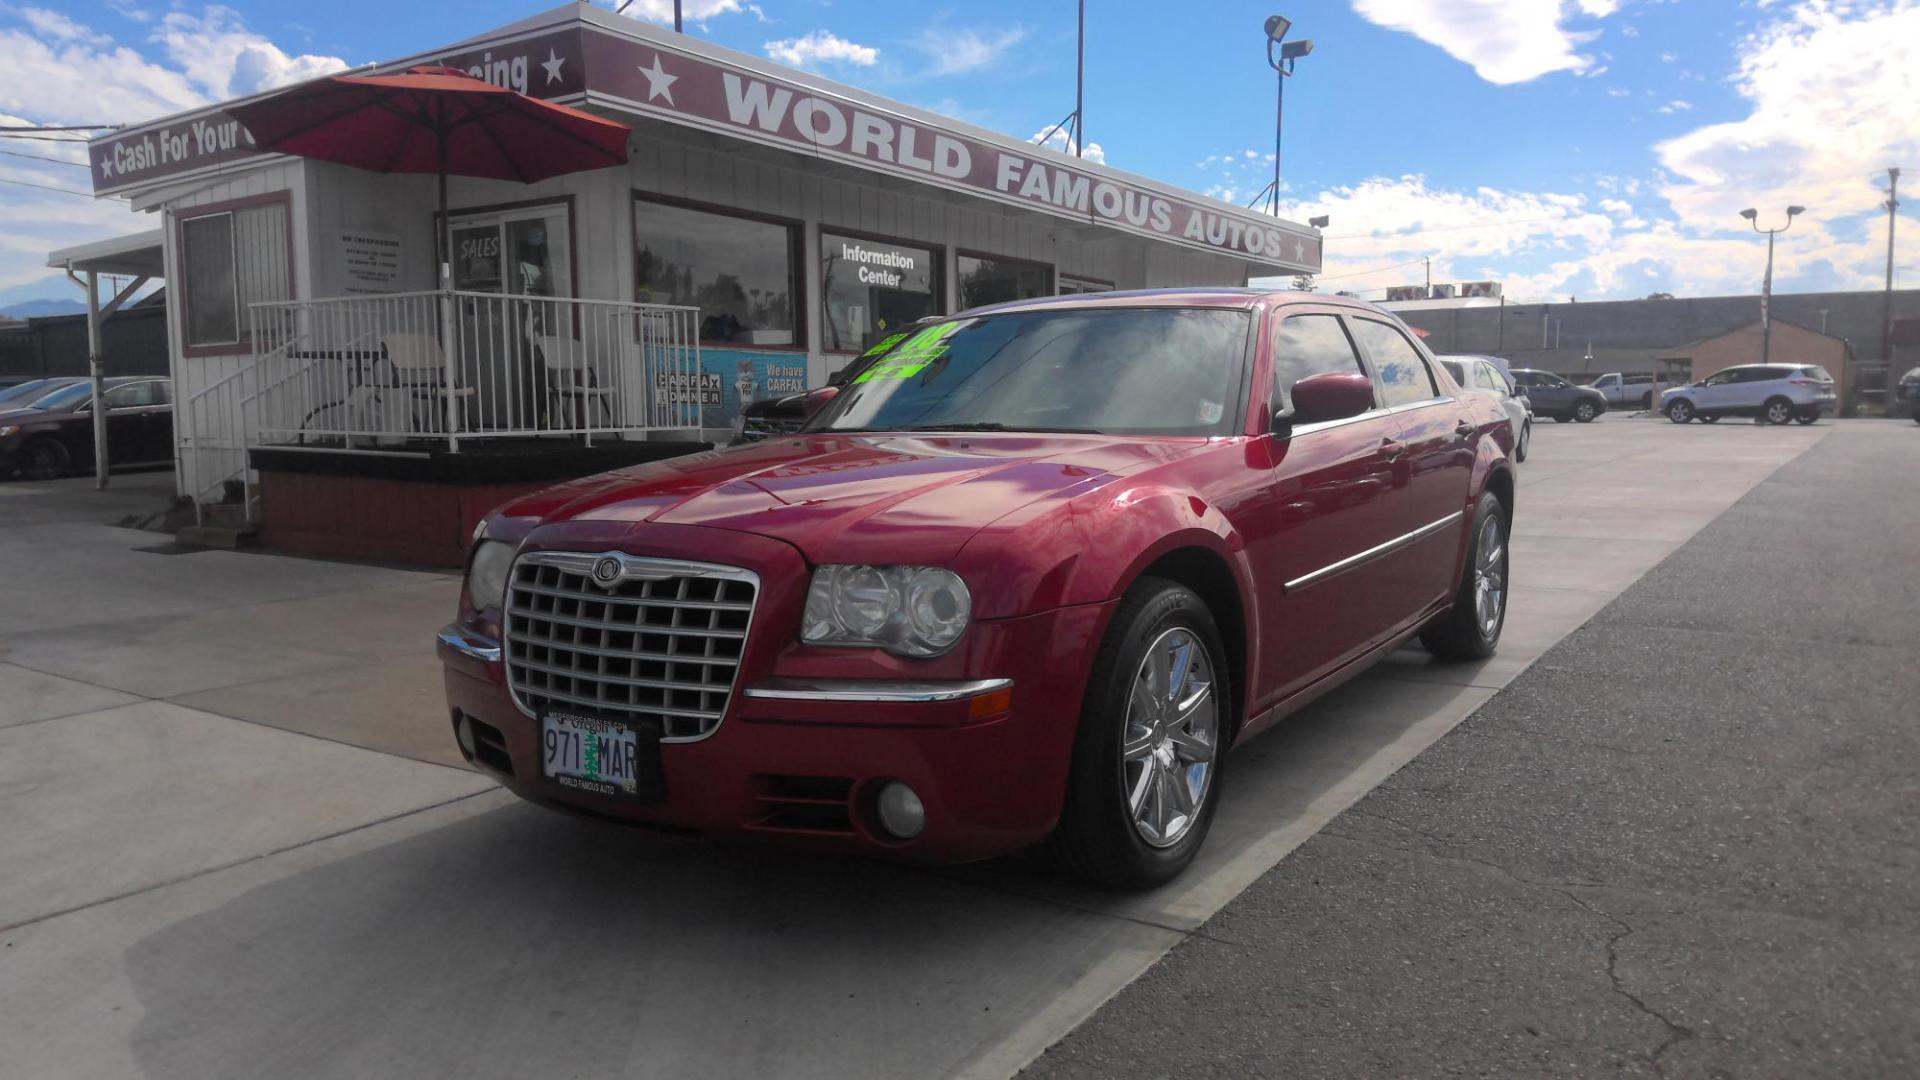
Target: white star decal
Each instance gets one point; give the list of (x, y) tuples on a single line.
[(552, 65), (1299, 251), (659, 83)]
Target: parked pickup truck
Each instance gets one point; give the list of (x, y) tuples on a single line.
[(1621, 389)]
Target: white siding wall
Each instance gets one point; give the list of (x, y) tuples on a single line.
[(329, 198)]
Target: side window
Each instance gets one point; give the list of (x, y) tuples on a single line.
[(1722, 378), (1485, 378), (1309, 345), (1403, 372), (131, 396)]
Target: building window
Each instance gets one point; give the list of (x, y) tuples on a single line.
[(740, 272), (229, 261), (989, 280), (1072, 286), (870, 288)]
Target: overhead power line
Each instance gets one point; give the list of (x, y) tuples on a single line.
[(43, 157), (59, 127), (1375, 270), (48, 187)]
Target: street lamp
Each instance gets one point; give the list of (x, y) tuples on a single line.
[(1290, 53), (1766, 287)]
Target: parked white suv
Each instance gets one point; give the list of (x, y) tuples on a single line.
[(1771, 393)]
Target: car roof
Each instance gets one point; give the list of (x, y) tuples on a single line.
[(1221, 296)]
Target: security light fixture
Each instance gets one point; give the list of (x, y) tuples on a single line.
[(1766, 285), (1749, 213), (1319, 222), (1294, 50), (1290, 52), (1277, 27), (1795, 211)]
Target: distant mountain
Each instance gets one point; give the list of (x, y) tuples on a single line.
[(33, 309)]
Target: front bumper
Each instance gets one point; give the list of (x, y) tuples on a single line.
[(810, 735)]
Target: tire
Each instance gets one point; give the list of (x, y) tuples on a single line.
[(1470, 630), (44, 459), (1108, 834), (1680, 411), (1584, 411), (1520, 447), (1561, 419), (1646, 400), (1777, 411)]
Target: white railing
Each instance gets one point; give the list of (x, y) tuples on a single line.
[(414, 373)]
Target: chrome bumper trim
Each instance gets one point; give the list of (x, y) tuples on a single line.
[(871, 690), (469, 644)]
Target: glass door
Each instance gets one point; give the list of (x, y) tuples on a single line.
[(518, 258)]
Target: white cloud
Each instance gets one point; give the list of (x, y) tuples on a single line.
[(956, 51), (1676, 106), (1505, 41), (1668, 58), (1834, 98), (1629, 31), (661, 11), (60, 71), (52, 24), (1618, 92), (1059, 141), (225, 59), (819, 47)]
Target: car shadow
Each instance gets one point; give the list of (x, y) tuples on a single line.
[(518, 942)]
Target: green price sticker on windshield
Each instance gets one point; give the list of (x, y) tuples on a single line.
[(912, 357), (884, 344)]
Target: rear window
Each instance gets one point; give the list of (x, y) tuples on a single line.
[(1815, 371), (1454, 369)]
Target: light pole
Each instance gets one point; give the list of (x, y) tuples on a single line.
[(1766, 287), (1290, 53)]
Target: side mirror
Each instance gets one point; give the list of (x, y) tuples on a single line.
[(1519, 390), (1330, 395), (818, 399)]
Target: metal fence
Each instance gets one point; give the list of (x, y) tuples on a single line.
[(414, 373)]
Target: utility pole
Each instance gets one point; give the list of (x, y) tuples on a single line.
[(1080, 88), (1886, 302), (1429, 261)]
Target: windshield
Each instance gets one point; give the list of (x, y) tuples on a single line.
[(1139, 371), (62, 399), (1455, 369), (24, 391)]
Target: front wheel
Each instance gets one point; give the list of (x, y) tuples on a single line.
[(1778, 411), (1156, 723), (1470, 630), (44, 459), (1585, 412), (1680, 411), (1520, 448)]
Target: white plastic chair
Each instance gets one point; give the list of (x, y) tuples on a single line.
[(571, 380), (419, 368)]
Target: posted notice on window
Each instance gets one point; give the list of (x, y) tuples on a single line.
[(371, 261)]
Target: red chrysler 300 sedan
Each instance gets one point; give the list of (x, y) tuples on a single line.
[(1031, 574)]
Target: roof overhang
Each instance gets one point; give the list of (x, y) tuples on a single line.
[(582, 55), (135, 255)]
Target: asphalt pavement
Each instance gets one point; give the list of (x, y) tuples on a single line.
[(1685, 842)]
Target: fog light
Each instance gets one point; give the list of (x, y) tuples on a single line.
[(463, 731), (901, 812)]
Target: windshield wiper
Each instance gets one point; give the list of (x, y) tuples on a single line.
[(982, 425)]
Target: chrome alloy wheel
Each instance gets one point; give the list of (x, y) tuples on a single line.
[(1490, 578), (1172, 732)]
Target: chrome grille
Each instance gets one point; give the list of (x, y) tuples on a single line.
[(664, 639)]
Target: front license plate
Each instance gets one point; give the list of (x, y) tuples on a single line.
[(586, 751)]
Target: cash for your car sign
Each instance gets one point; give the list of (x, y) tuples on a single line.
[(730, 379)]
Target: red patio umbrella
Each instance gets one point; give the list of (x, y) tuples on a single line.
[(433, 120)]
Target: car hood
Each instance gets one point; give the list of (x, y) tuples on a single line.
[(22, 416), (854, 498)]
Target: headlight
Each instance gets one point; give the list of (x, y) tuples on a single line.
[(487, 575), (8, 429), (906, 610)]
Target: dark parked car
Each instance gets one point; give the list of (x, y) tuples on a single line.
[(769, 417), (52, 434), (19, 394), (1554, 396), (1032, 573), (1910, 392)]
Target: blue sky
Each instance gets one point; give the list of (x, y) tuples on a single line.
[(1592, 148)]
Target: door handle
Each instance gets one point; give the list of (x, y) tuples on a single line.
[(1463, 429), (1392, 448)]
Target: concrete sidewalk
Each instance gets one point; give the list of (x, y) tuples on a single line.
[(235, 844), (1685, 843)]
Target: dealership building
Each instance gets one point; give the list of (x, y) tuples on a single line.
[(769, 226)]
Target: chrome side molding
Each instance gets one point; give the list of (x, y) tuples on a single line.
[(1371, 553)]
